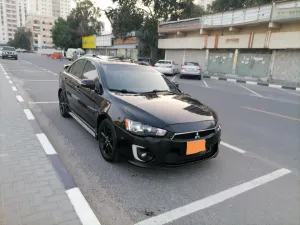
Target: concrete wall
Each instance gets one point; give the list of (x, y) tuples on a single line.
[(196, 56), (176, 55), (287, 65), (181, 43)]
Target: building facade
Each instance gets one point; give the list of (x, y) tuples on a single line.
[(52, 8), (12, 15), (260, 42), (111, 46), (41, 27)]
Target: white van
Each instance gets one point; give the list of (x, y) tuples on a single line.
[(70, 51)]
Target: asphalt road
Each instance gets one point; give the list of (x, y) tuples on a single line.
[(260, 134)]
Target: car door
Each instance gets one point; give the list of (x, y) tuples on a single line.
[(88, 96), (73, 82)]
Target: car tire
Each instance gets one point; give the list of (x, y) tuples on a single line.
[(199, 77), (16, 58), (63, 107), (180, 77), (107, 139)]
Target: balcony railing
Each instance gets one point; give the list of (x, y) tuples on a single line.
[(267, 13)]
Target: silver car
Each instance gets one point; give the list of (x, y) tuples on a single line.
[(191, 69)]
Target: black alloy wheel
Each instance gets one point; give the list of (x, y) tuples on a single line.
[(108, 141), (63, 107)]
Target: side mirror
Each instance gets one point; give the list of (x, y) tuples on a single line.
[(66, 66), (88, 84)]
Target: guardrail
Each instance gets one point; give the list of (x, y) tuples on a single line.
[(266, 13)]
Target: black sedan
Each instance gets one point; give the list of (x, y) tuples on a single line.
[(136, 112)]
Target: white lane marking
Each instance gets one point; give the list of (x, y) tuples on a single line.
[(19, 98), (5, 73), (82, 208), (41, 80), (214, 78), (29, 114), (297, 89), (14, 88), (173, 78), (209, 201), (10, 82), (275, 86), (290, 92), (48, 148), (7, 77), (251, 82), (231, 80), (250, 90), (55, 102), (205, 83), (233, 148)]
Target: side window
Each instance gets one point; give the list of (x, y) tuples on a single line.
[(77, 68), (89, 71)]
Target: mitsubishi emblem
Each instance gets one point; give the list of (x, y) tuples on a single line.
[(197, 136)]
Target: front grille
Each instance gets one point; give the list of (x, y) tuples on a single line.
[(193, 135)]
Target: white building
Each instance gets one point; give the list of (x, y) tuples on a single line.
[(53, 8), (204, 3), (12, 15)]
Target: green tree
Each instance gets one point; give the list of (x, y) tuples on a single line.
[(84, 20), (22, 39), (222, 5), (144, 16)]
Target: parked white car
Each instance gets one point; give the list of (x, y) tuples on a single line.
[(191, 69), (167, 67), (70, 52)]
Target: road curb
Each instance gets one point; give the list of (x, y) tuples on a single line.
[(252, 82), (81, 206)]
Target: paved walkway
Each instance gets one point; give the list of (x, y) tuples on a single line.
[(30, 189)]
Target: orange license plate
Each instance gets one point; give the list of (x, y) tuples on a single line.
[(195, 147)]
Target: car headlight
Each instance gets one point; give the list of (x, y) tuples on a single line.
[(141, 129)]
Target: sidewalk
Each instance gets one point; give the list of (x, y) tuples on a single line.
[(31, 192)]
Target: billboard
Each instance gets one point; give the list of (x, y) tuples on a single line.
[(89, 42)]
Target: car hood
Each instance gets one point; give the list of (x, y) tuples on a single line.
[(165, 109)]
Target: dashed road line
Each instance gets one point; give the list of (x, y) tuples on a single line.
[(233, 148), (7, 77), (209, 201), (205, 83), (19, 98), (47, 146), (250, 90), (274, 114), (29, 114), (82, 208), (14, 88), (41, 80), (10, 82)]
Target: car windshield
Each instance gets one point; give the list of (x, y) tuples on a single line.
[(8, 49), (191, 64), (136, 79)]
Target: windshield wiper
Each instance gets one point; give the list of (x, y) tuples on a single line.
[(124, 91), (158, 91)]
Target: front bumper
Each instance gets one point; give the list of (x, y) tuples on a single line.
[(9, 56), (166, 152)]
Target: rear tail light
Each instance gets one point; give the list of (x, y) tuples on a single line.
[(169, 66), (183, 68), (199, 68)]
